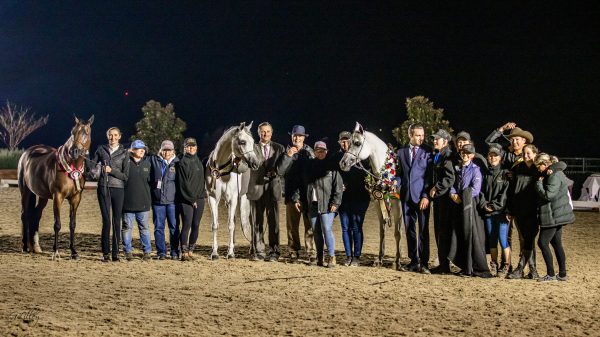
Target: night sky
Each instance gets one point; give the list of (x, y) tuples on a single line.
[(321, 64)]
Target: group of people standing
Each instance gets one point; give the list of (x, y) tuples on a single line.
[(477, 200), (131, 183)]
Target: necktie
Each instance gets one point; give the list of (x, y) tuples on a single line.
[(266, 151), (414, 153)]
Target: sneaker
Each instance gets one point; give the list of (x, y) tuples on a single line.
[(348, 261), (257, 257), (313, 261), (355, 261), (533, 275), (547, 278), (562, 278), (424, 270), (146, 257), (162, 257), (175, 257), (293, 258), (128, 256), (272, 258), (331, 262)]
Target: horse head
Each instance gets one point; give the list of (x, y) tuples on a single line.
[(243, 145), (81, 138), (359, 149)]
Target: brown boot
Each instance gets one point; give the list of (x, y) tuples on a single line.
[(331, 261)]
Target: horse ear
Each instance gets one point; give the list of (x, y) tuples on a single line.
[(77, 120), (242, 126), (358, 128), (249, 126), (91, 120)]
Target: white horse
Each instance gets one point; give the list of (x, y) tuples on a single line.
[(227, 175), (365, 145)]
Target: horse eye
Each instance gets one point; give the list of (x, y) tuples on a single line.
[(242, 142), (356, 143)]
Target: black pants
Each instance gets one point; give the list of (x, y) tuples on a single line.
[(553, 236), (268, 204), (190, 217), (528, 230), (111, 198), (443, 225)]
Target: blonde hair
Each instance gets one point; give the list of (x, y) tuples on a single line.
[(113, 128), (543, 158), (532, 147)]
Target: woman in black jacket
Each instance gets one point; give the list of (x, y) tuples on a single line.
[(113, 162), (555, 211), (190, 196)]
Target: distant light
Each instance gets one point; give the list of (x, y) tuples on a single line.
[(126, 93), (380, 130)]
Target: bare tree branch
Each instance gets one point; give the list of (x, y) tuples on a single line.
[(18, 123)]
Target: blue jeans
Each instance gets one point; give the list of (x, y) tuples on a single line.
[(322, 228), (352, 216), (496, 227), (160, 214), (142, 221)]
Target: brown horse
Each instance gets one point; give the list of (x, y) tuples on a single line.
[(49, 173)]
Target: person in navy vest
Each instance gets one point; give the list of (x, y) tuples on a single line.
[(414, 172)]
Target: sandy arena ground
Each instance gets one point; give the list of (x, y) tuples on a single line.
[(243, 298)]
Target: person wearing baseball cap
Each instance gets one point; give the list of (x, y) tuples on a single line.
[(164, 191), (137, 201), (493, 198), (355, 201), (323, 197), (190, 196), (443, 180), (301, 154)]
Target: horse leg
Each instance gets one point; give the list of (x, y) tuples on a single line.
[(233, 204), (58, 200), (213, 203), (379, 260), (42, 202), (74, 203), (27, 208), (397, 221)]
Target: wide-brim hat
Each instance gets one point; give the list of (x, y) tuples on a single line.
[(298, 130), (518, 132)]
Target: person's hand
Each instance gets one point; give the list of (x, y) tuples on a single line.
[(292, 150), (455, 198), (549, 172), (298, 206), (432, 192), (509, 217), (507, 126), (423, 204), (107, 169), (195, 205), (488, 209), (541, 178), (333, 208)]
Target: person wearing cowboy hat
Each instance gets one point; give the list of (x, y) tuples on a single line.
[(294, 184)]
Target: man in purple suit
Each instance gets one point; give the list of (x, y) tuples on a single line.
[(414, 175)]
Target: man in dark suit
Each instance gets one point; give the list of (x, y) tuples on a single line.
[(264, 193), (414, 172)]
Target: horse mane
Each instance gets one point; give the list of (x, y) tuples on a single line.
[(226, 135)]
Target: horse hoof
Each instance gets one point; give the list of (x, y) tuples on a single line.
[(55, 256), (37, 249), (214, 257), (231, 256)]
